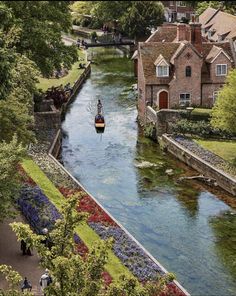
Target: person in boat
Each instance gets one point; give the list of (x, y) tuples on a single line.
[(99, 106)]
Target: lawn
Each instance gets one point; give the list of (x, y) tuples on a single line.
[(225, 149), (201, 111), (71, 77), (87, 234)]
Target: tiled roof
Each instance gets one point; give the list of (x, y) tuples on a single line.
[(223, 24), (208, 47), (163, 34), (149, 52), (215, 50), (207, 15)]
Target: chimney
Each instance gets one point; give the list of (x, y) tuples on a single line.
[(181, 32), (195, 35)]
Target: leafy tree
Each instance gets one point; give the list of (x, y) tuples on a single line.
[(224, 111), (201, 6), (73, 275), (40, 24), (10, 155), (13, 279), (141, 17)]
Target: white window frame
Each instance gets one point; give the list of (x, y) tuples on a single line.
[(185, 101), (181, 4), (226, 69), (167, 72)]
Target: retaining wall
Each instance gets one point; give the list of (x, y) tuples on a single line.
[(224, 180), (51, 119), (163, 119)]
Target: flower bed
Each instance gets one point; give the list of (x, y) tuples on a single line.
[(37, 209), (135, 260), (88, 205), (132, 256)]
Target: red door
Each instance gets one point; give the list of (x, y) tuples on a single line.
[(163, 100)]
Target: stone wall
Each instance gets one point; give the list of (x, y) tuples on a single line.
[(47, 120), (163, 119), (225, 181), (51, 117), (55, 149)]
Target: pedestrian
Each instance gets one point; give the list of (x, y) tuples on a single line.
[(23, 247), (26, 285), (45, 280)]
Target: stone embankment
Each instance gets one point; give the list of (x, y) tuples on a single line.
[(203, 161)]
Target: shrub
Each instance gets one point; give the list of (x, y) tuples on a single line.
[(200, 128)]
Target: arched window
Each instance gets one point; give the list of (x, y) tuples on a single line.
[(188, 71)]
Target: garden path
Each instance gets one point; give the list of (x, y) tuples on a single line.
[(11, 254)]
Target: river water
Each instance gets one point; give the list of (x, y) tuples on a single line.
[(189, 230)]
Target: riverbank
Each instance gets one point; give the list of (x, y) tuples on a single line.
[(204, 161)]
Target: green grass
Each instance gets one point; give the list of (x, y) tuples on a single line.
[(71, 77), (87, 234), (225, 149)]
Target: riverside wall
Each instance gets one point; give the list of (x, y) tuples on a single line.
[(51, 119), (223, 180)]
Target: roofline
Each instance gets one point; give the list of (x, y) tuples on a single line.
[(217, 10), (221, 51)]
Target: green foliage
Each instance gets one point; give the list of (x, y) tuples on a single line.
[(135, 18), (150, 131), (72, 275), (201, 6), (200, 128), (10, 155), (13, 279), (224, 111), (141, 17), (40, 24)]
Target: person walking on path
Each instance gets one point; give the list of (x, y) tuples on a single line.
[(24, 249), (45, 280), (26, 285)]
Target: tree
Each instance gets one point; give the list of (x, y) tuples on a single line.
[(40, 25), (201, 6), (141, 17), (224, 111), (73, 275), (10, 155)]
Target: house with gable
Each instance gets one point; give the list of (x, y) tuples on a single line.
[(177, 68)]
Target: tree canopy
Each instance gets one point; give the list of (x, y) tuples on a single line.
[(224, 111), (134, 18), (10, 155), (40, 24), (226, 6)]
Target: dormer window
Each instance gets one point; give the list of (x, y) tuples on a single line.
[(162, 71), (162, 67)]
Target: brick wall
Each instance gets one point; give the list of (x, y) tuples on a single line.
[(183, 84), (207, 94), (221, 59)]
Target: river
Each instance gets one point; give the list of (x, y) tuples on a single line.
[(191, 231)]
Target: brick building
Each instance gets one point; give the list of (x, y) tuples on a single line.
[(177, 68), (177, 10)]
